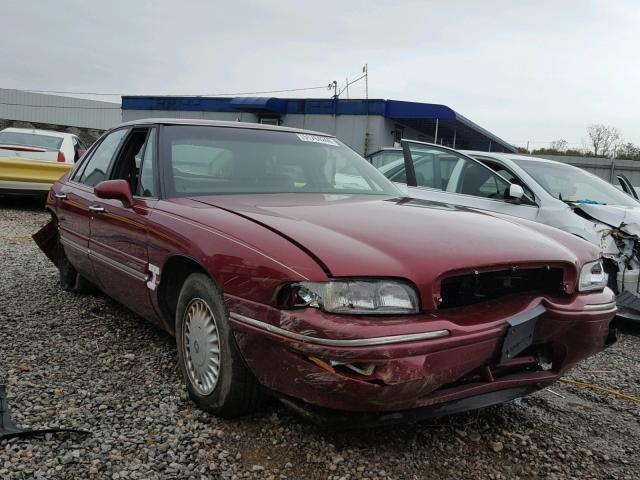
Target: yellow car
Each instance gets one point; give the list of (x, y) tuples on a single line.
[(32, 160)]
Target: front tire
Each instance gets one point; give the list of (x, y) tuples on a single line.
[(217, 379), (70, 279)]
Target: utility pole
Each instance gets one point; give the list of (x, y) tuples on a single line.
[(366, 80), (365, 70), (335, 89)]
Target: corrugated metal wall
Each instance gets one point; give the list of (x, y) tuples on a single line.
[(605, 168), (58, 110)]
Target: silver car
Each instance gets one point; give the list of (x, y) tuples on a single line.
[(541, 190)]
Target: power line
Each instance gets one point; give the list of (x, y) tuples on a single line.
[(59, 106), (70, 93), (351, 83), (66, 92), (270, 91)]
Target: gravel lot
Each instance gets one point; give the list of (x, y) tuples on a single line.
[(83, 361)]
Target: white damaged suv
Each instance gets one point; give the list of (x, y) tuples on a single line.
[(549, 192)]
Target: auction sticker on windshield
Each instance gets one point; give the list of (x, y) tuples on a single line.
[(317, 139)]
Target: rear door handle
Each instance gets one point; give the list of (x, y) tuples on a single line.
[(61, 196), (96, 209)]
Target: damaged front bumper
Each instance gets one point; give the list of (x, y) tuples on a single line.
[(616, 231), (430, 362)]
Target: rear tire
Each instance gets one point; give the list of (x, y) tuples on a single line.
[(211, 364)]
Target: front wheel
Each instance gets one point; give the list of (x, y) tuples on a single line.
[(216, 377), (70, 279)]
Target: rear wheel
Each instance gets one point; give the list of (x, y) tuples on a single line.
[(214, 371)]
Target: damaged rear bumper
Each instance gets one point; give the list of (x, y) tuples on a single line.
[(394, 364)]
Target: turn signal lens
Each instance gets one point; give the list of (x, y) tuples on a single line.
[(592, 277)]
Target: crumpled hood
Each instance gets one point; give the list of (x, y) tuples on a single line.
[(380, 236), (625, 218)]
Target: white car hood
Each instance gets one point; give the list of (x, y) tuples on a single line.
[(626, 219)]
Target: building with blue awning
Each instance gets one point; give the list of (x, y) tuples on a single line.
[(364, 125)]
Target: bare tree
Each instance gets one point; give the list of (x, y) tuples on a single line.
[(604, 139), (628, 151), (559, 145)]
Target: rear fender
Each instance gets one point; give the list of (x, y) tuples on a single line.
[(47, 239)]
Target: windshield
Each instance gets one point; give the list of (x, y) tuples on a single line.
[(213, 160), (30, 140), (573, 184)]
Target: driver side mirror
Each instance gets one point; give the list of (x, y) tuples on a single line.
[(515, 192), (115, 190)]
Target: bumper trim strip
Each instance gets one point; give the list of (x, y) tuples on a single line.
[(355, 342), (599, 306)]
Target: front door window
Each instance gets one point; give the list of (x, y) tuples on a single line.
[(429, 166), (97, 167)]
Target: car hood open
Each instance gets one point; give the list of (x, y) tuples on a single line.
[(382, 236), (625, 218)]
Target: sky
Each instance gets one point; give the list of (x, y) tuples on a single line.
[(532, 71)]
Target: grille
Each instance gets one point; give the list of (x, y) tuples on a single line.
[(473, 288)]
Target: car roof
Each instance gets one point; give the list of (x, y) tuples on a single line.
[(35, 131), (219, 123), (510, 156)]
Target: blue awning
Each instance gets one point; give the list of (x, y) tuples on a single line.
[(259, 104), (452, 128)]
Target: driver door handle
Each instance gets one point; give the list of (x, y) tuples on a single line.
[(61, 196), (96, 209)]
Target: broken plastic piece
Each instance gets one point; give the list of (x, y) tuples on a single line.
[(8, 429), (366, 369), (47, 239), (522, 329), (322, 364)]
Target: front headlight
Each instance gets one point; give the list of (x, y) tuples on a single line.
[(592, 277), (355, 297)]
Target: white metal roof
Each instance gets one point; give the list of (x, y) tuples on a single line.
[(58, 110)]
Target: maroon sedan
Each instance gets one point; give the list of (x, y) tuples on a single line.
[(284, 263)]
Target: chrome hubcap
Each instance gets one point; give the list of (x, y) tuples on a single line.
[(201, 343)]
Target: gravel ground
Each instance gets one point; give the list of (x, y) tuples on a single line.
[(83, 361)]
